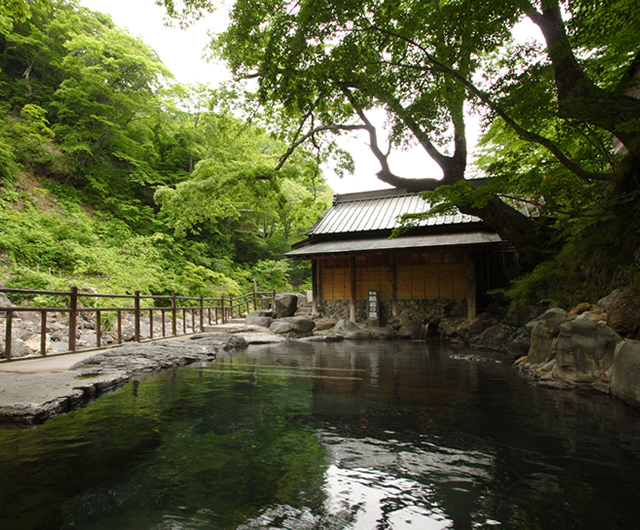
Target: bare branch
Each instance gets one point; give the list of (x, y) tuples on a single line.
[(294, 145)]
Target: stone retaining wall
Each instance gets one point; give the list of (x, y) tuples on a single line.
[(407, 310)]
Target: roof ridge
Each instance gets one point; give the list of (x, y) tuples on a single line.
[(372, 194)]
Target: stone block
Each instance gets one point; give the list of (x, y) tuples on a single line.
[(585, 351), (543, 335), (625, 372)]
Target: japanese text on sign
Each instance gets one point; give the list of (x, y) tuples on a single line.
[(373, 304)]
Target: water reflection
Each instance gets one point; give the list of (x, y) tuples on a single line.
[(329, 436)]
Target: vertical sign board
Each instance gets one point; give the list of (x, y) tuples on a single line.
[(373, 308)]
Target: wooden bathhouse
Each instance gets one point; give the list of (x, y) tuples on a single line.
[(452, 261)]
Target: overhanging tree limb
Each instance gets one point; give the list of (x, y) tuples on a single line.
[(333, 127), (485, 98)]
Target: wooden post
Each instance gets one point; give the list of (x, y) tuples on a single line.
[(9, 331), (255, 295), (222, 310), (201, 313), (314, 287), (318, 296), (352, 285), (394, 285), (73, 316), (151, 323), (43, 333), (98, 328), (119, 327), (173, 314), (471, 287), (136, 316)]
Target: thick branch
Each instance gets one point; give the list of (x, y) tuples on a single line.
[(294, 145), (578, 96), (487, 100), (385, 174), (513, 227)]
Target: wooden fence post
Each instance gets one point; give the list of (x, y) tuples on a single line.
[(255, 295), (174, 314), (43, 333), (137, 316), (98, 328), (201, 314), (7, 342), (222, 310), (73, 317)]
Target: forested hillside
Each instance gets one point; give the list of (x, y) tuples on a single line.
[(114, 177)]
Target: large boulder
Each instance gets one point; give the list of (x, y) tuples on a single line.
[(360, 334), (324, 325), (608, 300), (544, 335), (452, 330), (513, 342), (411, 330), (624, 313), (286, 305), (519, 344), (259, 318), (292, 326), (625, 372), (585, 351), (382, 333), (495, 338), (344, 327)]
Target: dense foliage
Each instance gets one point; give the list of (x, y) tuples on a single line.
[(560, 112), (113, 177)]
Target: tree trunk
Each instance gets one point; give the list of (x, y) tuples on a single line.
[(521, 231)]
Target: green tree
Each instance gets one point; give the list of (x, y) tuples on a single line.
[(330, 63)]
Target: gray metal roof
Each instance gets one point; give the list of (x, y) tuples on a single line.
[(379, 210), (372, 245)]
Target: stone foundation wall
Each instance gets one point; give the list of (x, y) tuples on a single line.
[(407, 310)]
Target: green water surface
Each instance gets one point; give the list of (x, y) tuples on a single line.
[(358, 435)]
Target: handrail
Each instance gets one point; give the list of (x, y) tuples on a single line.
[(213, 309)]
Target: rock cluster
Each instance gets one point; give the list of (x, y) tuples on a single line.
[(591, 345), (282, 326)]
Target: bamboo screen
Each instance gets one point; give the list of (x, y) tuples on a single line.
[(419, 276)]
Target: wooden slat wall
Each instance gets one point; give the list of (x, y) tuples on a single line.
[(373, 278), (420, 276)]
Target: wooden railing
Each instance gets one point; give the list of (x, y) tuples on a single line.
[(200, 309)]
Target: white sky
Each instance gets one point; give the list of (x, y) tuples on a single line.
[(182, 52)]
